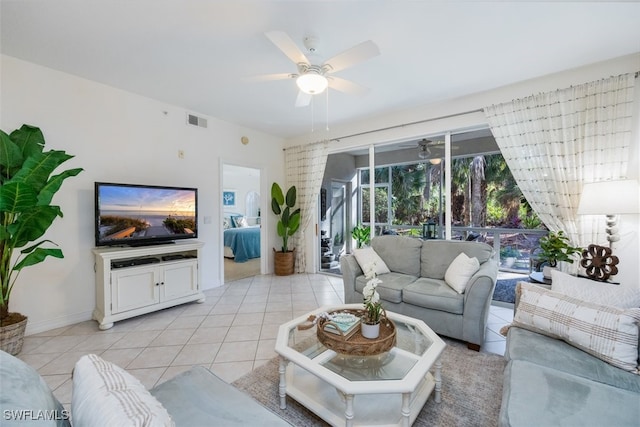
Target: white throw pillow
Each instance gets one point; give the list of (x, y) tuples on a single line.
[(460, 271), (367, 256), (106, 395), (593, 291), (606, 332), (242, 222)]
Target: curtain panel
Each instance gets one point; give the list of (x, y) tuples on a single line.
[(555, 142), (305, 169)]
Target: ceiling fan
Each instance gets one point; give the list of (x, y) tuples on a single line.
[(313, 78), (426, 147)]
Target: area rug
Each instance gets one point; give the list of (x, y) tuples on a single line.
[(505, 290), (471, 391)]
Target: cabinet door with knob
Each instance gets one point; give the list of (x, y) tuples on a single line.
[(180, 279), (133, 288)]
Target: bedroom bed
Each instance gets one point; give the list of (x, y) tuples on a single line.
[(242, 243)]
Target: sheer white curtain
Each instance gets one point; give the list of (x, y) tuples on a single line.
[(556, 142), (305, 168)]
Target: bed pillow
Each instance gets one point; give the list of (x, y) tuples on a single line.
[(594, 291), (226, 223), (242, 221), (606, 332), (107, 395), (460, 271), (367, 256)]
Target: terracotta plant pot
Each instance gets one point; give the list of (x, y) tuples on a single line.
[(284, 262)]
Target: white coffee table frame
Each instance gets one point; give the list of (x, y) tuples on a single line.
[(388, 402)]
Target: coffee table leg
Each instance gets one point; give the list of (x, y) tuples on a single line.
[(348, 413), (282, 389), (438, 378), (406, 409)]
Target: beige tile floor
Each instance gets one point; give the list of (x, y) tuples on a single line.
[(231, 333)]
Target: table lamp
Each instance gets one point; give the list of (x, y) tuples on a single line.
[(610, 198)]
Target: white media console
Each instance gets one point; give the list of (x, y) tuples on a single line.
[(138, 280)]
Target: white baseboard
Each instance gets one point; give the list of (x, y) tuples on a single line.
[(60, 322)]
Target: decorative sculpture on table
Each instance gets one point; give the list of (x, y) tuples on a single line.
[(599, 263)]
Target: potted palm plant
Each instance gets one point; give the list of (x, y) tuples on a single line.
[(288, 224), (26, 190)]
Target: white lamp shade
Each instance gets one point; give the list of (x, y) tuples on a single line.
[(610, 198)]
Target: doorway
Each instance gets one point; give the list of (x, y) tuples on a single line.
[(335, 240), (241, 222)]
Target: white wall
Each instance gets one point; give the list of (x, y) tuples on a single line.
[(118, 136), (463, 114)]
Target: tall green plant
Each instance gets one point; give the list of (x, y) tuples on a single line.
[(282, 206), (26, 190)]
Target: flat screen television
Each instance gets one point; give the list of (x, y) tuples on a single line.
[(138, 215)]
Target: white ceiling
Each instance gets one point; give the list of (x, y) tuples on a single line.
[(201, 54)]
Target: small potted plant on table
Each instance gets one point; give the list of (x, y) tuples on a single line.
[(555, 247)]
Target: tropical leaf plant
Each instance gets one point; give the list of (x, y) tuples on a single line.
[(26, 213), (282, 206)]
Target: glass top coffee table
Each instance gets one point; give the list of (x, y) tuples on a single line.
[(385, 389)]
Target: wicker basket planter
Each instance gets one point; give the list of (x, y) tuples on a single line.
[(284, 262), (12, 336)]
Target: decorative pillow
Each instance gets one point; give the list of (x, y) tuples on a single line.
[(460, 271), (24, 391), (234, 219), (367, 256), (226, 223), (606, 332), (106, 395), (242, 221), (593, 291)]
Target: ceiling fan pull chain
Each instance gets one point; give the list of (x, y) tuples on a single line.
[(327, 105), (312, 115)]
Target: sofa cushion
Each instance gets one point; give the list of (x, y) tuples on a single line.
[(106, 395), (530, 346), (433, 294), (460, 271), (400, 253), (593, 291), (437, 255), (199, 398), (606, 332), (391, 287), (534, 395), (368, 257), (23, 389)]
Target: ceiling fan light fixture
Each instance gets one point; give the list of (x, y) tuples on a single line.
[(435, 161), (423, 151), (312, 83)]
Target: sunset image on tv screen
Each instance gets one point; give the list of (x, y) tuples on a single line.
[(139, 212)]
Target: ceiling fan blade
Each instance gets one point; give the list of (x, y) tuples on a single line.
[(303, 99), (347, 86), (270, 77), (358, 53), (287, 46)]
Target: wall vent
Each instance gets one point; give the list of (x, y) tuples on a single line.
[(196, 121)]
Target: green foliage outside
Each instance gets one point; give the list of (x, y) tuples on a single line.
[(496, 200)]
